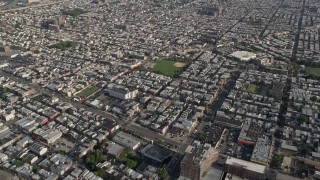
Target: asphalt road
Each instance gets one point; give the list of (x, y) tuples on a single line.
[(151, 135), (224, 93)]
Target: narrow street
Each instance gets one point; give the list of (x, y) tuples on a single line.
[(224, 93)]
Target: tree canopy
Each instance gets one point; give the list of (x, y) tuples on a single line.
[(162, 173), (94, 158)]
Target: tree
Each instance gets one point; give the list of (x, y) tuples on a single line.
[(313, 98), (74, 12), (303, 150), (129, 159), (278, 134), (18, 163), (5, 90), (93, 159), (201, 136), (277, 161), (63, 45), (90, 161), (101, 173), (131, 163), (35, 168), (162, 173), (158, 141), (303, 119)]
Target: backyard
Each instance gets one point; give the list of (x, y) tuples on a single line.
[(313, 71)]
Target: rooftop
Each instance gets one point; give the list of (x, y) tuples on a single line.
[(199, 152), (243, 55), (246, 165)]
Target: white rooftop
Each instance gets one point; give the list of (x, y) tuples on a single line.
[(243, 55), (246, 165)]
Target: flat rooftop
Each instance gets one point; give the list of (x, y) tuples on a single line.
[(212, 173), (246, 165), (156, 153), (243, 55)]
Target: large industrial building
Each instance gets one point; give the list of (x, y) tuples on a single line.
[(156, 155), (243, 55), (127, 140), (121, 92)]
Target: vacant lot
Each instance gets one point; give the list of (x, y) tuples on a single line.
[(168, 68), (313, 71), (63, 45), (74, 12), (252, 88), (88, 91)]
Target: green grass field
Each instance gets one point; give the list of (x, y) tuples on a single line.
[(167, 68), (63, 45), (313, 71), (252, 88), (74, 12), (88, 91)]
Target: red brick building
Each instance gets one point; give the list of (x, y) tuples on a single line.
[(198, 159)]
